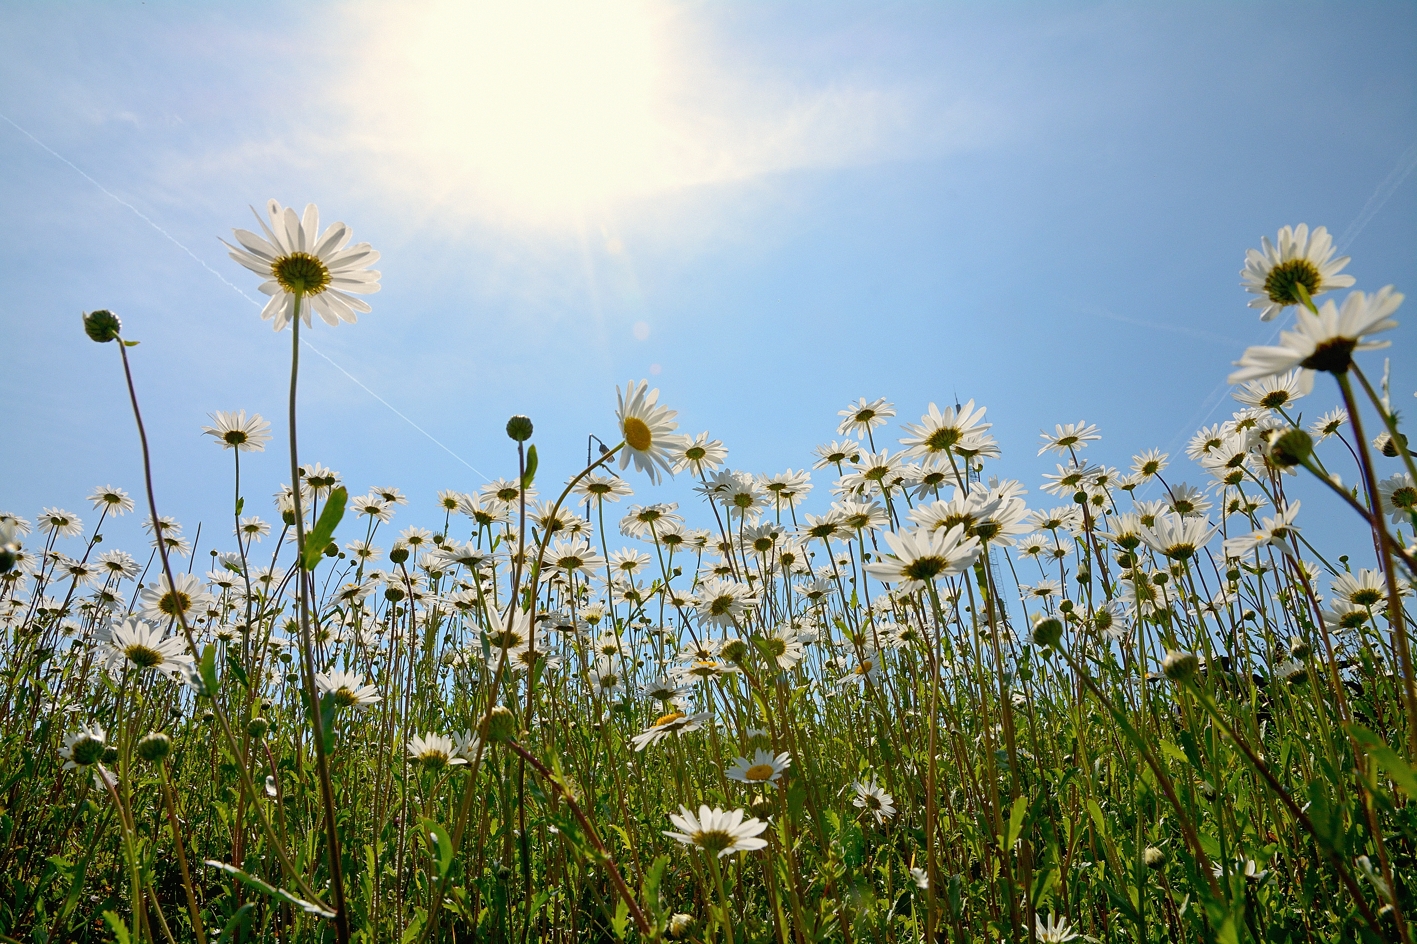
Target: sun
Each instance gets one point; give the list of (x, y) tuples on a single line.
[(540, 107)]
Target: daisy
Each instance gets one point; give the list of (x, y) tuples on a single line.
[(1278, 531), (717, 831), (1178, 538), (183, 598), (84, 747), (372, 506), (1364, 588), (235, 430), (1329, 424), (449, 500), (300, 262), (858, 419), (60, 522), (872, 799), (919, 557), (700, 454), (135, 643), (1399, 497), (675, 722), (118, 564), (1068, 436), (253, 528), (348, 689), (1275, 393), (1298, 258), (722, 602), (647, 428), (835, 453), (114, 499), (763, 768), (939, 431), (605, 487), (573, 555), (434, 751), (1149, 463), (1055, 930), (1324, 341)]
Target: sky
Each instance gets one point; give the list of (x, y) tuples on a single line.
[(767, 210)]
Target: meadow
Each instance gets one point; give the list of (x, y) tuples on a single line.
[(1108, 706)]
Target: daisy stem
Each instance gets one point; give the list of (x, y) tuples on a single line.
[(307, 654), (725, 914)]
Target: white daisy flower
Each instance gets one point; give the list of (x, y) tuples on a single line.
[(717, 831), (298, 260), (921, 556), (348, 688), (114, 499), (237, 431), (1297, 258), (872, 799), (648, 430), (1324, 341), (434, 751), (762, 768), (135, 643)]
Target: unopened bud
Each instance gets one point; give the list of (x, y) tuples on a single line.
[(155, 747), (500, 724), (102, 326), (1180, 667), (1299, 649), (1048, 633), (257, 727), (398, 555), (519, 428)]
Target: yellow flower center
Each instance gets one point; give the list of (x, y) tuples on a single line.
[(1282, 282), (174, 603), (301, 272), (637, 434), (670, 718), (143, 657), (758, 772)]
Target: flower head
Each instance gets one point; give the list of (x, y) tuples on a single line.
[(298, 261), (762, 768), (236, 431), (721, 832), (1296, 259), (83, 748), (348, 689), (873, 800), (135, 643), (648, 429), (1324, 341)]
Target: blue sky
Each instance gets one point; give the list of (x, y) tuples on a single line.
[(766, 209)]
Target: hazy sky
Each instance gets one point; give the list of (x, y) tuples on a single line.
[(767, 209)]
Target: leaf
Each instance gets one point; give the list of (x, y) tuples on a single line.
[(1016, 821), (319, 537), (654, 878), (442, 845), (207, 671), (620, 924), (280, 894), (120, 930), (237, 922), (530, 472), (130, 344), (1095, 812), (234, 665), (1397, 768), (1173, 752), (240, 505)]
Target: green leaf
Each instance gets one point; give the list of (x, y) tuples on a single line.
[(319, 537), (654, 878), (530, 472), (234, 665), (1016, 821), (130, 344), (1095, 812), (120, 930), (237, 922), (280, 894), (442, 845), (207, 669), (240, 506), (620, 924), (1397, 768)]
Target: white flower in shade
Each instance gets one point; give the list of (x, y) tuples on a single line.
[(60, 522), (858, 419), (434, 751), (183, 597), (1296, 258), (297, 259), (716, 831), (872, 799), (1399, 497), (83, 748), (700, 454), (1068, 436), (348, 689), (1055, 930), (675, 722), (918, 876), (921, 556), (114, 499), (1324, 341), (135, 643), (1278, 531), (762, 768), (237, 431), (648, 430), (1177, 537)]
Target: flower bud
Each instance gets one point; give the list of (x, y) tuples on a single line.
[(519, 428), (734, 650), (257, 727), (110, 754), (155, 747), (102, 326), (1180, 667), (500, 724), (1299, 649), (1048, 633), (1290, 448), (398, 555), (680, 925), (1154, 858)]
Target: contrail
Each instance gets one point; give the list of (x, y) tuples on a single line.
[(202, 262)]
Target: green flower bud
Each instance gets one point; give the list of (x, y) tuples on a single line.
[(734, 650), (1154, 858), (500, 724), (1180, 667), (1048, 633), (102, 326), (1290, 448), (1299, 649), (257, 727), (155, 747), (398, 555), (519, 428), (110, 754)]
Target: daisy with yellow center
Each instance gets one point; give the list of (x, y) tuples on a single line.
[(348, 689), (648, 430), (434, 751), (300, 262), (716, 831), (1297, 264), (675, 722), (135, 643), (762, 768)]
